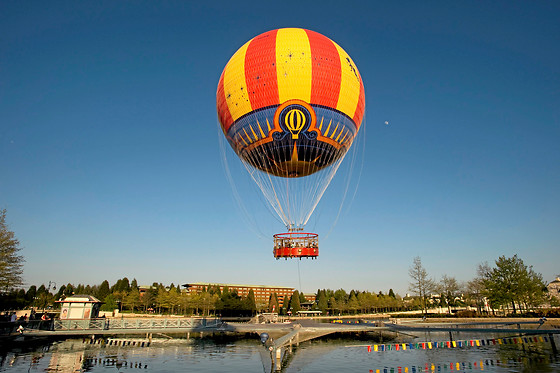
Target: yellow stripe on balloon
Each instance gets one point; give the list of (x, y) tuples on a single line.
[(328, 128), (260, 130), (336, 129), (236, 89), (254, 134), (349, 84), (293, 65)]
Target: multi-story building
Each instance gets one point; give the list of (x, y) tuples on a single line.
[(310, 297), (262, 292)]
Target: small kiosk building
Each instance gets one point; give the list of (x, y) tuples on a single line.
[(79, 307)]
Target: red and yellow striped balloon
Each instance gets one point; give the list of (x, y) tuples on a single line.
[(290, 102)]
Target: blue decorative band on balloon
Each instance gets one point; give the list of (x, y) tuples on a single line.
[(256, 125)]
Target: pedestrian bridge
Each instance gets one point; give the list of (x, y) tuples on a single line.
[(133, 325)]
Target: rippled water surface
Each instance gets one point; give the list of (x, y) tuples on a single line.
[(330, 355)]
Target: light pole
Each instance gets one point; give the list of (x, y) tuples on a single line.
[(53, 284)]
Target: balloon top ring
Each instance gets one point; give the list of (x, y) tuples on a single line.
[(296, 245)]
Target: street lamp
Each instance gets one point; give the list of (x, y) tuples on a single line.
[(53, 284)]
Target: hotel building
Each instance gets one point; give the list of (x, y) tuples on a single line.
[(262, 292)]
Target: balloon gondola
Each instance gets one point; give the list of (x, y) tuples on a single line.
[(290, 103), (296, 245)]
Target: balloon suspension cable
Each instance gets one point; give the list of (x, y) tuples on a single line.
[(357, 156), (299, 276)]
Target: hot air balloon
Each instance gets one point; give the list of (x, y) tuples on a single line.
[(290, 103)]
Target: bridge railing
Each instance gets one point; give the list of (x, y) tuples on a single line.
[(9, 327), (134, 323)]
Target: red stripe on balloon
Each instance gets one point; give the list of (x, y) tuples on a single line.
[(260, 71), (224, 115), (326, 70), (360, 109)]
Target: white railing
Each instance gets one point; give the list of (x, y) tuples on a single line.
[(135, 323)]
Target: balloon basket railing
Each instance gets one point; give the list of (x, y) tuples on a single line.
[(296, 245)]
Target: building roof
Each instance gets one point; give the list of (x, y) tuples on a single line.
[(79, 299)]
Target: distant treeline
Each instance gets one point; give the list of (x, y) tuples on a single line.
[(508, 286), (125, 296)]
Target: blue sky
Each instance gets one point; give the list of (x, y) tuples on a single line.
[(110, 161)]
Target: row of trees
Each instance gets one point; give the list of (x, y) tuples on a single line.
[(339, 302), (125, 296), (509, 285)]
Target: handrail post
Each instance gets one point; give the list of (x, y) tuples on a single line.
[(552, 343)]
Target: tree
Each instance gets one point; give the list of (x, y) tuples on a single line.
[(31, 294), (121, 285), (148, 298), (250, 304), (207, 302), (273, 305), (341, 296), (69, 290), (43, 297), (367, 301), (421, 284), (449, 288), (230, 303), (103, 290), (333, 305), (11, 263), (162, 298), (353, 303), (511, 282), (132, 299), (110, 303), (174, 298), (119, 297), (475, 292), (295, 305), (61, 291), (322, 304)]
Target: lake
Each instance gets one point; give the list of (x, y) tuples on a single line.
[(248, 355)]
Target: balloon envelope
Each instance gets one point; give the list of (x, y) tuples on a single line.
[(290, 103)]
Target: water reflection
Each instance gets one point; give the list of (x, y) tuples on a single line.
[(66, 362), (248, 355)]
